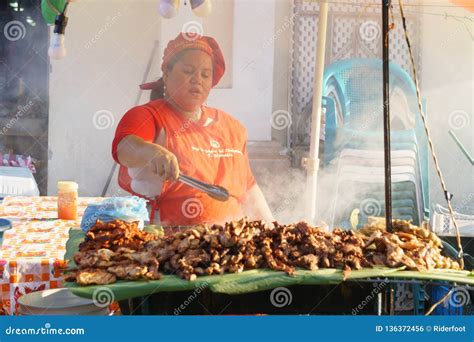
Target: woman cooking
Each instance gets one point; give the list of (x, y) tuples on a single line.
[(178, 134)]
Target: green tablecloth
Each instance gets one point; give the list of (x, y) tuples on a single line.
[(252, 280)]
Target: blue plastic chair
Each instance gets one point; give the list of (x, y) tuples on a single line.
[(351, 90)]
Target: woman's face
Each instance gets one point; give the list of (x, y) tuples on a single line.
[(189, 82)]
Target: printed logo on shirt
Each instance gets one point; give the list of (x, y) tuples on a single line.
[(217, 152), (215, 143)]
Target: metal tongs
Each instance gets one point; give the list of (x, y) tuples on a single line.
[(215, 191)]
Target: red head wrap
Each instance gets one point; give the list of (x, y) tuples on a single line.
[(191, 41)]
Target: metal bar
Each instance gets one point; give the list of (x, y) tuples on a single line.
[(461, 146), (379, 304), (423, 282), (386, 114), (391, 300)]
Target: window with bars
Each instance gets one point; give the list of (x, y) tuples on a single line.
[(354, 31)]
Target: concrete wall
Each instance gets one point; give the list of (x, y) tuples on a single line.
[(281, 71), (448, 87), (109, 44)]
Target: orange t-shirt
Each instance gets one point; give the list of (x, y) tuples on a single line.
[(215, 154)]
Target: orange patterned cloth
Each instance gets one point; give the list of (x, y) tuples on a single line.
[(32, 252)]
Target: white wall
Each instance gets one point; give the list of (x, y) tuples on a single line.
[(448, 86), (281, 74), (250, 97), (109, 43)]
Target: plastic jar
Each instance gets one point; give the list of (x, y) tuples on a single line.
[(67, 200)]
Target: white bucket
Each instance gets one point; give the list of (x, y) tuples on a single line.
[(58, 302)]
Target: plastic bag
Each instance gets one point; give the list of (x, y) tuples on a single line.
[(16, 160), (131, 208)]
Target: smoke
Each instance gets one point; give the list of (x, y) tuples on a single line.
[(457, 168), (339, 196), (348, 184), (282, 187)]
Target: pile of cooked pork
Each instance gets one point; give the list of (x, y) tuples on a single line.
[(114, 250), (119, 250)]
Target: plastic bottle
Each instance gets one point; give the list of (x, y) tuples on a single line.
[(67, 200)]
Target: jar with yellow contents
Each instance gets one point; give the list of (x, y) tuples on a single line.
[(67, 200)]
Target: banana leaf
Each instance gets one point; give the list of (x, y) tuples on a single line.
[(252, 280)]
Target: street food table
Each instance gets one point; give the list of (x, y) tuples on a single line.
[(265, 291), (33, 250), (268, 292)]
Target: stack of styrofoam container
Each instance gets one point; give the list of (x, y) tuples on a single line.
[(17, 181)]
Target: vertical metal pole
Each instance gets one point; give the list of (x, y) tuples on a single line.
[(391, 311), (312, 162), (379, 304), (386, 114)]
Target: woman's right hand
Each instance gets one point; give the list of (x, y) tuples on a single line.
[(164, 163), (134, 152)]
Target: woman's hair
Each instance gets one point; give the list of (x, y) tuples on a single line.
[(159, 91)]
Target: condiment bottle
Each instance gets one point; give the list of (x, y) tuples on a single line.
[(67, 200)]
